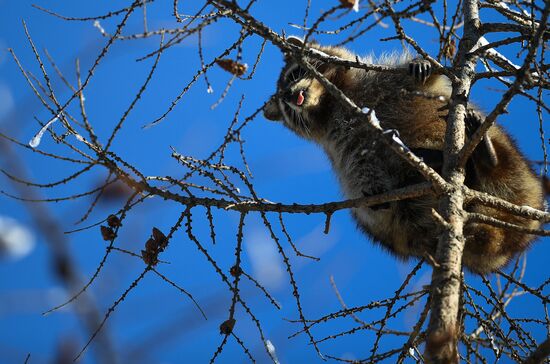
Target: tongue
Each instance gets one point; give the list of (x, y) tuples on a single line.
[(300, 99)]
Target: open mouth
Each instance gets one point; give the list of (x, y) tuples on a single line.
[(297, 100), (300, 98)]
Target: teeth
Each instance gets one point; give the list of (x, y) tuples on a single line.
[(300, 99)]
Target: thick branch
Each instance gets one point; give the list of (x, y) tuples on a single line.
[(412, 191), (441, 345)]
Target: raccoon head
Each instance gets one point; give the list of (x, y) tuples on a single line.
[(301, 102)]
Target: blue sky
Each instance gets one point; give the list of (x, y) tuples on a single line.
[(156, 324)]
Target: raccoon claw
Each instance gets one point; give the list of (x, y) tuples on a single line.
[(420, 69)]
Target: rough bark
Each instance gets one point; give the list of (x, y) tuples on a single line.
[(441, 345)]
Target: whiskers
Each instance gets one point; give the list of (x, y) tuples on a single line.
[(295, 119)]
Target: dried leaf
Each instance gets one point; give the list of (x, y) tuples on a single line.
[(449, 49), (233, 67)]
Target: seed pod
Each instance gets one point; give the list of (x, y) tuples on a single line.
[(233, 67), (160, 238), (158, 235), (113, 221), (227, 326), (352, 4), (107, 233), (149, 258), (235, 271), (151, 245)]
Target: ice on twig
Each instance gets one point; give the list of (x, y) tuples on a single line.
[(395, 137), (372, 114), (356, 6), (97, 24), (493, 343), (374, 119), (297, 26), (210, 90), (483, 42), (35, 141), (271, 349), (393, 132), (320, 53), (505, 6)]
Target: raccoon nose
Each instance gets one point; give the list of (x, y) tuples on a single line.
[(272, 110)]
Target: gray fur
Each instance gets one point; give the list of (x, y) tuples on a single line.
[(366, 166)]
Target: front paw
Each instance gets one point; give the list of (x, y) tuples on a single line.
[(420, 69)]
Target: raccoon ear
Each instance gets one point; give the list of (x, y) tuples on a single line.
[(272, 111), (295, 41), (298, 42)]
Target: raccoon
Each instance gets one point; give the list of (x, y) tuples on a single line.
[(366, 166)]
